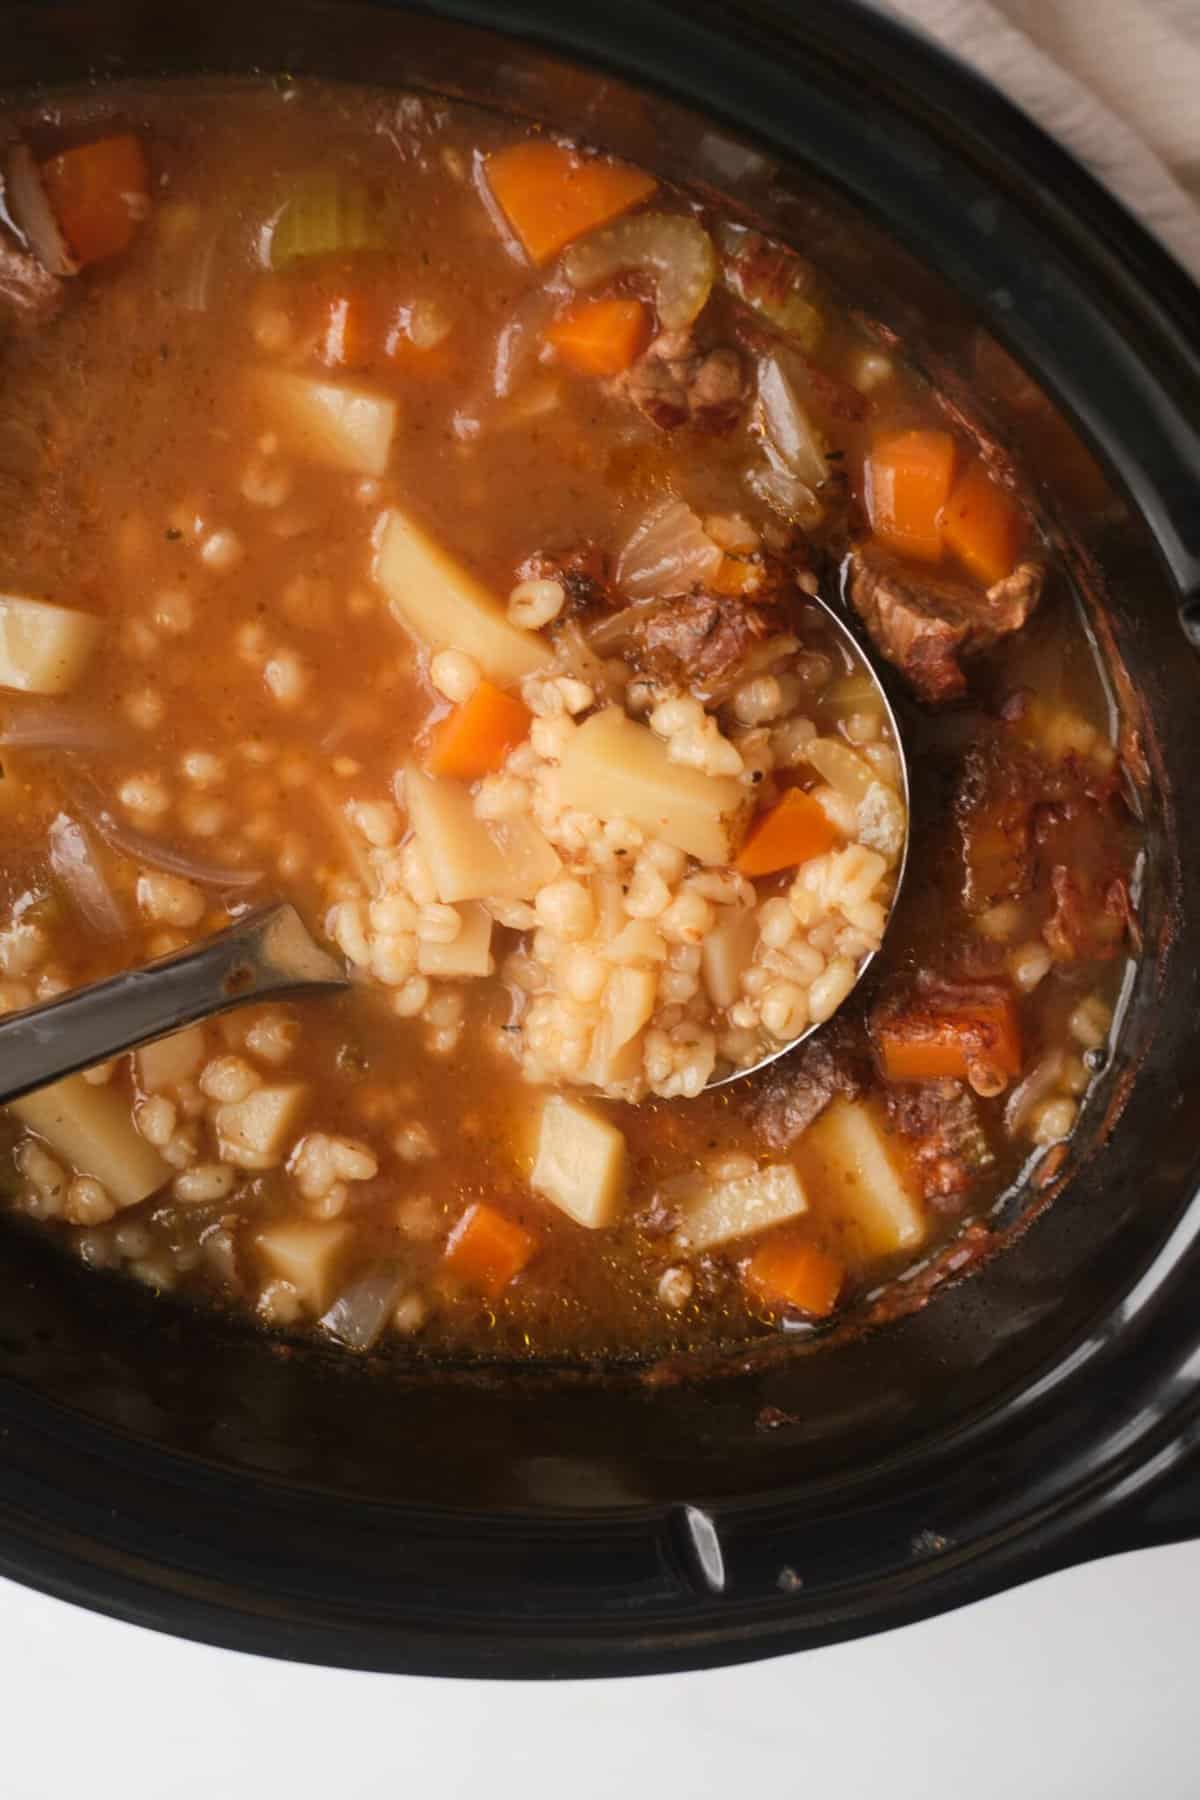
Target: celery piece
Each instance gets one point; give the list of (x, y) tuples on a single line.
[(326, 215)]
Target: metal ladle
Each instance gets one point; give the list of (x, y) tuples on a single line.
[(268, 954)]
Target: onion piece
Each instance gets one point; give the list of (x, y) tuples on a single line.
[(359, 1314), (141, 848), (576, 655), (675, 249), (54, 726), (73, 860), (32, 214), (196, 293), (784, 493), (668, 553), (789, 435)]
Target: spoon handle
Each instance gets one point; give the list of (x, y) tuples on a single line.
[(267, 953)]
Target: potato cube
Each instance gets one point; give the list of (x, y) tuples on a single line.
[(91, 1128), (724, 1210), (580, 1162), (43, 648), (344, 427), (618, 769), (466, 859), (471, 951), (444, 607), (867, 1177), (725, 952), (254, 1132), (170, 1060), (309, 1255)]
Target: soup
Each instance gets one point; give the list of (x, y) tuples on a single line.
[(451, 530)]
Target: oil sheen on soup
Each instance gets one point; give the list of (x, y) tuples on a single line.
[(426, 520)]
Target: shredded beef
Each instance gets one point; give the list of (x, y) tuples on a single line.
[(699, 637), (29, 294), (925, 624), (942, 1124), (675, 384), (795, 1091)]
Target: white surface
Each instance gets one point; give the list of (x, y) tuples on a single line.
[(1080, 1687)]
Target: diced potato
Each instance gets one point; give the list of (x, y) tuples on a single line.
[(254, 1132), (867, 1177), (344, 427), (638, 941), (609, 901), (471, 951), (844, 769), (628, 1003), (616, 768), (171, 1060), (580, 1162), (468, 859), (724, 1210), (91, 1128), (446, 608), (309, 1255), (725, 952), (43, 648)]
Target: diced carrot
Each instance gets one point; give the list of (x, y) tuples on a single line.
[(99, 194), (982, 526), (736, 575), (601, 337), (796, 828), (486, 1250), (476, 737), (550, 194), (908, 477), (787, 1271), (944, 1041)]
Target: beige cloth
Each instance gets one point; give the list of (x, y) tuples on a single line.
[(1116, 81)]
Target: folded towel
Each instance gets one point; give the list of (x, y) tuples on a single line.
[(1116, 81)]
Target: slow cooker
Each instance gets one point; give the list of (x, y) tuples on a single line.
[(180, 1471)]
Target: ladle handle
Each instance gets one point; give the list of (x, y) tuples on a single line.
[(267, 953)]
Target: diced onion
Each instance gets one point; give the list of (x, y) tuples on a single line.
[(792, 441), (668, 553), (74, 862), (144, 849), (32, 214), (51, 725), (675, 249), (359, 1314)]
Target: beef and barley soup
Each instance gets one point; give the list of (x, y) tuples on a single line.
[(431, 522)]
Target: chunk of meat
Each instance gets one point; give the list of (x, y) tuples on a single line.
[(925, 624), (794, 1092), (993, 810), (1089, 921), (29, 295), (674, 383), (941, 1122), (585, 572), (698, 637)]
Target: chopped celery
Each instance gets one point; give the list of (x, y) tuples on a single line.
[(325, 215)]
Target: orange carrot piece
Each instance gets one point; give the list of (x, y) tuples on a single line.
[(550, 194), (486, 1250), (99, 193), (601, 337), (790, 1272), (736, 575), (476, 737), (796, 828), (943, 1042), (908, 477), (982, 526)]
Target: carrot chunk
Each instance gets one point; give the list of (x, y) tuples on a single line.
[(486, 1250), (601, 337), (796, 828), (550, 194), (788, 1271), (945, 1040), (982, 526), (476, 737), (99, 194), (908, 477)]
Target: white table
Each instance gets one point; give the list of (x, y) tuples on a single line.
[(1081, 1687)]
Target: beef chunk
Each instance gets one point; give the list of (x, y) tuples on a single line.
[(29, 295), (699, 637), (585, 574), (795, 1091), (993, 810), (675, 384), (941, 1121), (925, 624), (1090, 919)]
